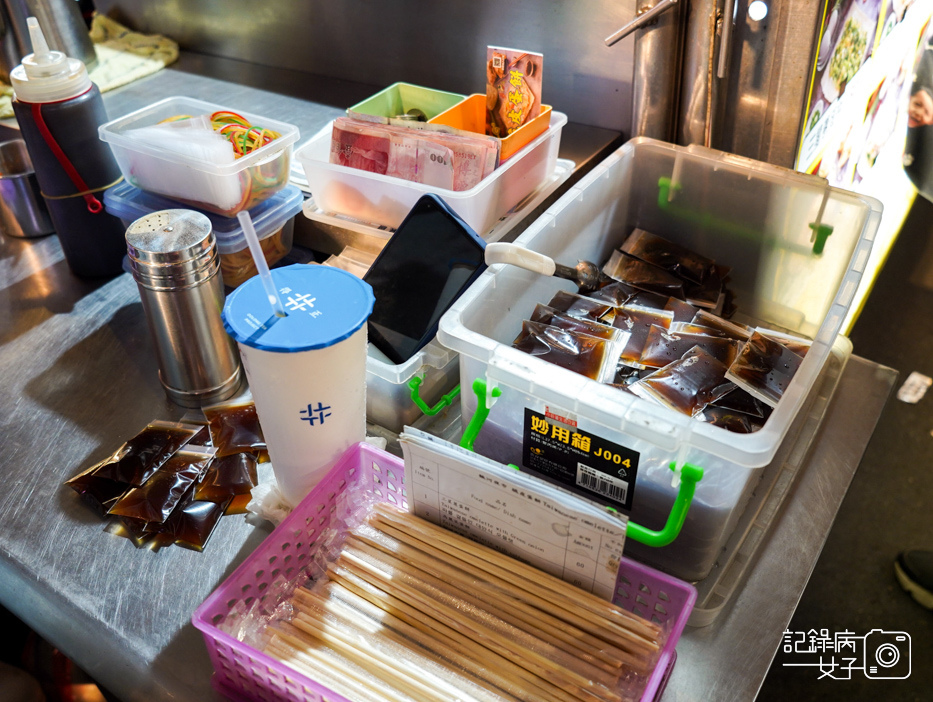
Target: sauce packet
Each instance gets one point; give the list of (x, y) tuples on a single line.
[(673, 258), (549, 315), (637, 321), (619, 294), (234, 427), (683, 311), (663, 346), (687, 385), (764, 368), (741, 401), (581, 353), (632, 271), (582, 307), (733, 330), (137, 459), (728, 419), (154, 501)]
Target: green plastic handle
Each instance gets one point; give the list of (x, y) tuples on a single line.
[(479, 417), (689, 478), (445, 401), (704, 219)]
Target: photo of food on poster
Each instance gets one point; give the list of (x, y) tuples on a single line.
[(860, 87)]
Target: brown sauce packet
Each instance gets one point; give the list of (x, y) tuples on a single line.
[(663, 346), (618, 294), (549, 315), (154, 501), (234, 428), (764, 368), (582, 307), (728, 419), (637, 321), (137, 459), (674, 258), (687, 385), (632, 271), (228, 476), (580, 353), (733, 330)]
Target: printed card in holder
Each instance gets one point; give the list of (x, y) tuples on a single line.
[(513, 89), (513, 512)]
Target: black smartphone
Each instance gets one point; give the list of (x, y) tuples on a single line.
[(430, 260)]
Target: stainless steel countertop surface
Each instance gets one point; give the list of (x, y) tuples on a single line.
[(79, 377)]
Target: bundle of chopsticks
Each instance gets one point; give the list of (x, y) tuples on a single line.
[(412, 611)]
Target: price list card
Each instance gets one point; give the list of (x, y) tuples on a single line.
[(512, 512)]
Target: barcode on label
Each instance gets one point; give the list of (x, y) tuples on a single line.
[(600, 483)]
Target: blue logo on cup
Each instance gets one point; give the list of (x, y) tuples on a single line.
[(315, 414)]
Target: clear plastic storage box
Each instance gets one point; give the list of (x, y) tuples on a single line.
[(764, 222), (386, 200), (273, 220), (221, 188)]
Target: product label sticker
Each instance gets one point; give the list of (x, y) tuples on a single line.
[(589, 464)]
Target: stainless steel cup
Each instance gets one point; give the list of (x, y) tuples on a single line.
[(174, 260), (22, 210)]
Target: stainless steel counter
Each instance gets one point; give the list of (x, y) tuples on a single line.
[(78, 376)]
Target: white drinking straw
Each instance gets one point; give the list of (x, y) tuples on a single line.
[(260, 260)]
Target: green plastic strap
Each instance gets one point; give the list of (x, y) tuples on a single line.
[(689, 478), (479, 417), (708, 221), (445, 401)]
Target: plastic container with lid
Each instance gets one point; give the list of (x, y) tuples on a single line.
[(307, 369), (386, 200), (272, 219), (224, 189), (756, 218), (405, 98)]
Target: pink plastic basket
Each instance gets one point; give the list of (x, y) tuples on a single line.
[(242, 672)]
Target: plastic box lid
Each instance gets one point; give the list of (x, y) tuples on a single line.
[(115, 133), (129, 203)]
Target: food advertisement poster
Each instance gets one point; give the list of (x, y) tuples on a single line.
[(856, 118)]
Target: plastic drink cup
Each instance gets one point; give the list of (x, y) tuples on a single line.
[(306, 370)]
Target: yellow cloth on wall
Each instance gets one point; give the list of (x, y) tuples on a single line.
[(122, 57)]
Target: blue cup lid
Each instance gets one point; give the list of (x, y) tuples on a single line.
[(324, 306)]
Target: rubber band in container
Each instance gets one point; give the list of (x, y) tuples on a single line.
[(202, 154)]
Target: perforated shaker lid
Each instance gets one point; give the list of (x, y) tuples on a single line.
[(324, 306), (169, 237)]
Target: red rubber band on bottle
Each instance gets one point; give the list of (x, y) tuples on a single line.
[(94, 205)]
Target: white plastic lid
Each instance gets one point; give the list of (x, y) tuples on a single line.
[(46, 75)]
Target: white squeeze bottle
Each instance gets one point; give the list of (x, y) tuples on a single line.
[(59, 110)]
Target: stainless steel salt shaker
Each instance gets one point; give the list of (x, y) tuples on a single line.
[(174, 259)]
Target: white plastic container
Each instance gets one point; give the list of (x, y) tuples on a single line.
[(305, 370), (222, 188), (388, 396), (386, 200), (748, 215)]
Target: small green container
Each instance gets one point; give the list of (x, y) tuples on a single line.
[(399, 98)]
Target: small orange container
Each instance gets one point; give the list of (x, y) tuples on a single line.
[(470, 115)]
